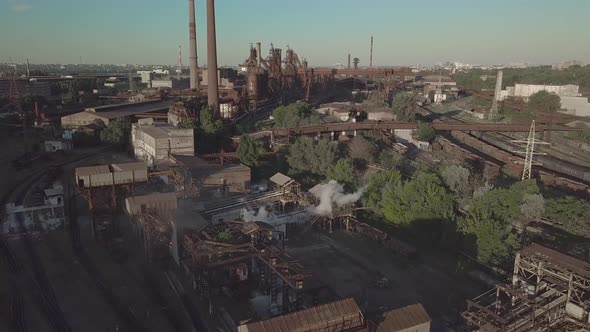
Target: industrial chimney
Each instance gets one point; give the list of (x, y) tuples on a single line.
[(192, 38), (258, 54), (213, 89), (348, 60), (371, 60)]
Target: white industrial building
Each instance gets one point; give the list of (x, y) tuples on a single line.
[(155, 142), (571, 99)]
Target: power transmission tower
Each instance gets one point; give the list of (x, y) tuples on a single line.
[(494, 110), (529, 153)]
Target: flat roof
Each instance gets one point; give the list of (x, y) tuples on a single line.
[(318, 318), (404, 318), (134, 166), (92, 170), (128, 109), (281, 179)]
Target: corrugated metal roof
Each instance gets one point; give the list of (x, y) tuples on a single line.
[(558, 259), (280, 179), (403, 318), (317, 318), (135, 166), (92, 170)]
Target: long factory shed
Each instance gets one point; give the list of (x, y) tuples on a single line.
[(113, 174)]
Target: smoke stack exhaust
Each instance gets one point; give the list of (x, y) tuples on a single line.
[(259, 54), (192, 38), (213, 89)]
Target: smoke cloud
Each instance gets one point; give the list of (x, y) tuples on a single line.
[(332, 194)]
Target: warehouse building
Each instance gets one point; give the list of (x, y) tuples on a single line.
[(155, 142), (109, 113)]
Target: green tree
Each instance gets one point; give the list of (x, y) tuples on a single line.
[(295, 115), (425, 132), (360, 149), (377, 182), (316, 157), (458, 179), (405, 106), (494, 240), (569, 213), (343, 172), (249, 150), (208, 123), (422, 198), (544, 101), (187, 124), (117, 132)]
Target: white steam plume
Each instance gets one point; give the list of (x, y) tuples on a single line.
[(332, 193)]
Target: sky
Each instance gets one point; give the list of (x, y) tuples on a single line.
[(322, 31)]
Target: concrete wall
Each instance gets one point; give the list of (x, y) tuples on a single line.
[(526, 90), (576, 105), (231, 179)]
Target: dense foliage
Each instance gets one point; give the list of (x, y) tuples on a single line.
[(249, 150), (361, 150), (544, 101), (343, 172), (425, 132), (117, 132), (405, 106), (316, 157), (533, 75), (295, 115)]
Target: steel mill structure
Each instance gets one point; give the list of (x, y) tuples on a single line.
[(548, 291)]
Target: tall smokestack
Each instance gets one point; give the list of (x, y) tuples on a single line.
[(259, 54), (348, 60), (192, 38), (28, 68), (213, 89), (371, 60)]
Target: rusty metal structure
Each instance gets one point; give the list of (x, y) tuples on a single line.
[(239, 247), (548, 291)]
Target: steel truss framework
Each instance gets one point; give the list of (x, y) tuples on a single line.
[(250, 243), (543, 285), (103, 202), (155, 230)]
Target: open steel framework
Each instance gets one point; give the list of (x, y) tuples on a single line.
[(549, 291)]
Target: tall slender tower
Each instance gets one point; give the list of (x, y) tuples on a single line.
[(212, 88), (371, 60), (348, 60), (494, 110), (192, 38), (179, 63)]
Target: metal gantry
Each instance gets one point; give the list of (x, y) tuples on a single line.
[(547, 289)]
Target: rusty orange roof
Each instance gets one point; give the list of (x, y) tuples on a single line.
[(404, 318), (336, 316)]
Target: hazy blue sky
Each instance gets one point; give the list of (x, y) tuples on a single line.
[(323, 31)]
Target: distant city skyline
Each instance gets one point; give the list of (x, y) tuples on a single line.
[(323, 32)]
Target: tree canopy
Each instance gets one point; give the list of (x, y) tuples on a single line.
[(405, 106), (208, 124), (295, 115), (544, 101), (187, 124), (421, 198), (376, 185), (343, 172), (117, 132), (425, 132), (249, 150), (308, 155), (360, 149)]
